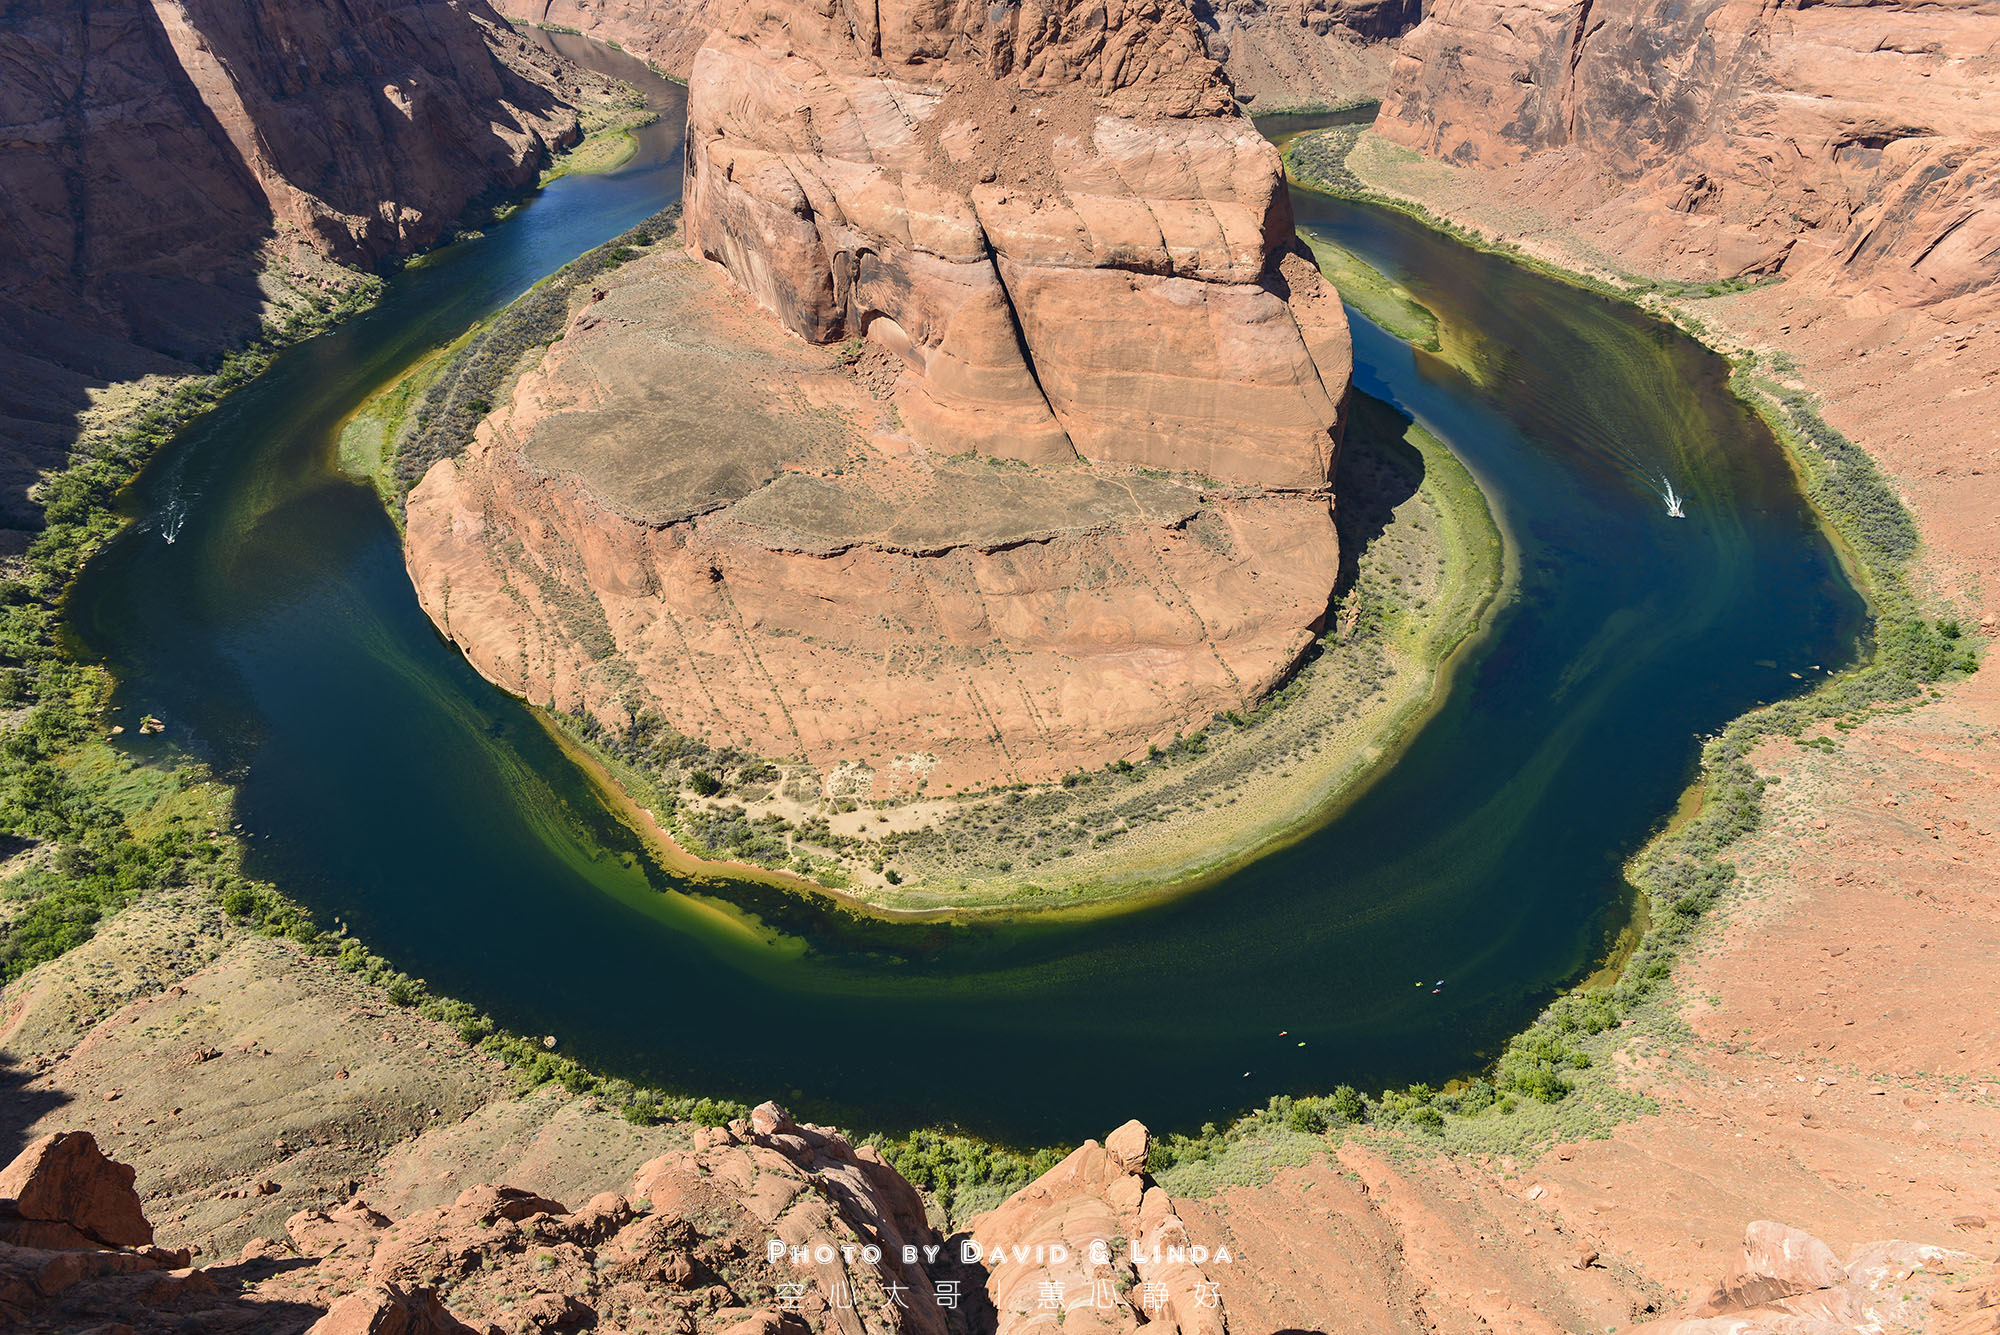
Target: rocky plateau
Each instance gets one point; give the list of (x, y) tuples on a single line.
[(1059, 492)]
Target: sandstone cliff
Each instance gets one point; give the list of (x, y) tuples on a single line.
[(166, 160), (664, 33), (683, 511), (1306, 53), (1062, 492), (1277, 53), (1856, 146), (1058, 221)]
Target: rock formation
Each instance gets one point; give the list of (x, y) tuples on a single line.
[(1059, 223), (1095, 1239), (1306, 53), (73, 1233), (1276, 54), (688, 1244), (1855, 146), (162, 156), (1094, 509), (683, 511), (664, 33)]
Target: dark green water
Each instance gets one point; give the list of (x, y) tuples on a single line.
[(389, 787)]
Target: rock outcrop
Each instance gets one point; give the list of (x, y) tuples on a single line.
[(73, 1236), (684, 512), (1062, 493), (1854, 146), (1787, 1280), (1306, 53), (664, 33), (61, 1192), (164, 159), (1096, 1241), (765, 1224), (1058, 222), (1276, 54)]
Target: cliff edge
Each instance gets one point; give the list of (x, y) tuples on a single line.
[(1046, 483), (179, 171)]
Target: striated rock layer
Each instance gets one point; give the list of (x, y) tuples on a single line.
[(1857, 146), (683, 511), (1063, 492), (1277, 54), (664, 33), (1306, 53), (162, 156), (1057, 220)]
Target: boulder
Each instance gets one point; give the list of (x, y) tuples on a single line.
[(1777, 1262), (63, 1179), (387, 1309)]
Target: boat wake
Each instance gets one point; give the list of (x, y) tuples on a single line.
[(1676, 503)]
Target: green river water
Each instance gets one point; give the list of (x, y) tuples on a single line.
[(389, 787)]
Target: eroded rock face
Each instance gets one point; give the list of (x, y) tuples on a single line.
[(159, 154), (685, 511), (687, 1246), (1054, 217), (1276, 55), (62, 1192), (1857, 146), (1062, 494), (665, 33), (1095, 1239), (1306, 53)]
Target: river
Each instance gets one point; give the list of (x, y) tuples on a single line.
[(386, 785)]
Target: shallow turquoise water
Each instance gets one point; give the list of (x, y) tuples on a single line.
[(388, 786)]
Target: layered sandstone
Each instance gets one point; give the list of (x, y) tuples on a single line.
[(162, 158), (1306, 53), (686, 512), (664, 33), (1057, 220), (1854, 146), (1063, 493), (1276, 53)]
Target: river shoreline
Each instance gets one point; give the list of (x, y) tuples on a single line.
[(1189, 855)]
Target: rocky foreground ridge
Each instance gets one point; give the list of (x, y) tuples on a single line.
[(767, 1226), (176, 170), (1048, 481), (760, 1227)]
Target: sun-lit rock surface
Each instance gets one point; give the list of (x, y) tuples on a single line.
[(684, 510), (174, 170), (1058, 222), (1854, 146)]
